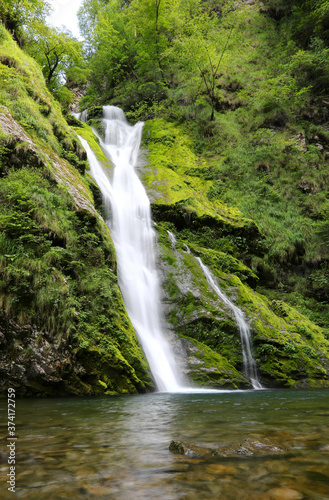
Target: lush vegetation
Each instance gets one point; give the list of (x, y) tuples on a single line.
[(247, 82), (58, 53)]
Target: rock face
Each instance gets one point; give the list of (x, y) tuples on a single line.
[(64, 329), (19, 144), (290, 350), (36, 364)]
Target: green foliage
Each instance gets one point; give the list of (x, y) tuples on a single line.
[(16, 15), (56, 51), (64, 96), (310, 19), (311, 67), (140, 51), (319, 283), (55, 269)]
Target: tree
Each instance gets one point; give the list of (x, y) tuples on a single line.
[(198, 51), (128, 50), (142, 50), (209, 73), (109, 49), (88, 16), (16, 15), (55, 50)]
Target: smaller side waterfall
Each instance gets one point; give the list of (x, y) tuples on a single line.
[(249, 365), (172, 238)]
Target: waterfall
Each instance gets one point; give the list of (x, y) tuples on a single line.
[(249, 365), (172, 238), (129, 218)]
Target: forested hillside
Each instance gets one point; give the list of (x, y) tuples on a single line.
[(235, 100)]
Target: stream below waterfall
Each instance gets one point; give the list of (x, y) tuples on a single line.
[(116, 448)]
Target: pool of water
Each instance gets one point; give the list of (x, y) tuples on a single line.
[(118, 447)]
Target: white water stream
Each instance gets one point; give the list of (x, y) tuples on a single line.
[(249, 365), (129, 217)]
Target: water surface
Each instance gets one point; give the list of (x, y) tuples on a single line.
[(117, 447)]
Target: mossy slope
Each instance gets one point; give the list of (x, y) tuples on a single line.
[(178, 195), (64, 328), (290, 350)]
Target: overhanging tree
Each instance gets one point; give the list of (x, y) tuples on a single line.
[(55, 50), (17, 15)]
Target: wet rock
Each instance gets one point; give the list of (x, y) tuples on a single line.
[(96, 491), (33, 364), (324, 448), (219, 469), (189, 450), (248, 447), (284, 494)]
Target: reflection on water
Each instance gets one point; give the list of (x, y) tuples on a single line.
[(117, 448)]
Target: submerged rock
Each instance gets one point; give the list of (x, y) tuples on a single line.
[(248, 447), (284, 494)]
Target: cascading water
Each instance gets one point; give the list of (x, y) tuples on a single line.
[(172, 238), (129, 215), (249, 365)]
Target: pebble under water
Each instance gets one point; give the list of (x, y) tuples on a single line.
[(118, 447)]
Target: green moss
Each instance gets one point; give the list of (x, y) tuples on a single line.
[(289, 346), (171, 160), (180, 195), (208, 368), (289, 349), (85, 131)]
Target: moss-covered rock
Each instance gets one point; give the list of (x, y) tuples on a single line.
[(64, 328), (208, 368), (180, 197), (290, 350)]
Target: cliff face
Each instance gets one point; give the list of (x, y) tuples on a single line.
[(289, 349), (64, 328)]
